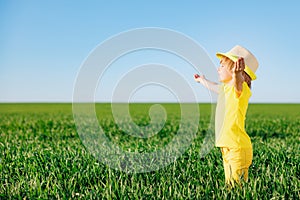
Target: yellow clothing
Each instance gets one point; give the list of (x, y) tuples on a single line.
[(236, 163), (230, 133), (230, 117)]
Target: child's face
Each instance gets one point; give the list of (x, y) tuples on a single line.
[(225, 75)]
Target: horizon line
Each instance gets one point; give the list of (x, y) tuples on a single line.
[(137, 102)]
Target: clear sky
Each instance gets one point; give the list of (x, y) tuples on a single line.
[(44, 43)]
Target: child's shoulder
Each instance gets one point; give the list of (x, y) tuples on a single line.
[(229, 89)]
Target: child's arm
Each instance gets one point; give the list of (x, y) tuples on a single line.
[(238, 77), (212, 86)]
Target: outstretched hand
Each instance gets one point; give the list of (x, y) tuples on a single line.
[(198, 78), (208, 84), (239, 66)]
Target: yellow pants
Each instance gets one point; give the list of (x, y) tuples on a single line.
[(236, 164)]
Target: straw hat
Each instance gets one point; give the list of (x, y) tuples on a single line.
[(250, 60)]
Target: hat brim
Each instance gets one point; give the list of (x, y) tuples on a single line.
[(234, 58)]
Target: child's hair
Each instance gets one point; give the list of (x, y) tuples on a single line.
[(247, 79), (230, 64)]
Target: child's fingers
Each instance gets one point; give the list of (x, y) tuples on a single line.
[(239, 65), (236, 66), (196, 76), (242, 64)]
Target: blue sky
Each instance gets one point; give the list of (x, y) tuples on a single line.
[(44, 43)]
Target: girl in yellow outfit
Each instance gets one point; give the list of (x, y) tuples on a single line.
[(237, 69)]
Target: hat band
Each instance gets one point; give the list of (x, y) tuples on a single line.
[(250, 73)]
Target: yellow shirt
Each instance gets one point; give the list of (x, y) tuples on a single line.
[(230, 117)]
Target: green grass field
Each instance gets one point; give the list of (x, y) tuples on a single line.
[(42, 156)]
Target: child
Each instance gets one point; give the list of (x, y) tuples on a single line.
[(237, 69)]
